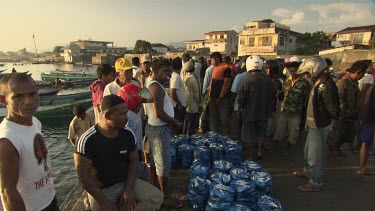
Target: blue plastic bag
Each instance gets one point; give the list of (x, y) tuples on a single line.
[(202, 153), (221, 198), (245, 192), (198, 193), (263, 181), (251, 166), (266, 203), (185, 155), (222, 166), (200, 168), (239, 173), (217, 151), (239, 207), (220, 178), (233, 152)]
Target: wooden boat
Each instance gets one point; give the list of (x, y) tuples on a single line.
[(67, 77), (48, 92), (2, 70), (65, 97), (55, 111)]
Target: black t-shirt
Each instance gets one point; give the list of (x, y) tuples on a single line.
[(110, 157)]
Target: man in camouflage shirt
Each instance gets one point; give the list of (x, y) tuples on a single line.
[(350, 105), (295, 93)]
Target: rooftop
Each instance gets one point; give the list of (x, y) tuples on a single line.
[(357, 29)]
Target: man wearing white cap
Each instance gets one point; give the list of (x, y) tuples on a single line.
[(146, 70)]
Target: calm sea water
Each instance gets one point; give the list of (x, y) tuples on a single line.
[(56, 132)]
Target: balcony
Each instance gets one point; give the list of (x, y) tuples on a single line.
[(211, 41), (258, 49), (258, 31)]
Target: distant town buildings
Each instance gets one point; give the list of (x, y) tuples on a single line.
[(359, 35), (159, 48), (267, 37), (91, 52)]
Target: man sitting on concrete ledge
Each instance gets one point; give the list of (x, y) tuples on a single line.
[(108, 151)]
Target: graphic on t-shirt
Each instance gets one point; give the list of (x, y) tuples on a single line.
[(40, 151)]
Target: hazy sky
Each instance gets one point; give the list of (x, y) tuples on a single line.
[(124, 21)]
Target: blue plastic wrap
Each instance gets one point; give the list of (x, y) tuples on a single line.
[(198, 193), (239, 207), (251, 166), (221, 198), (212, 134), (185, 155), (220, 178), (267, 203), (233, 152), (222, 166), (200, 168), (239, 173), (173, 151), (245, 192), (263, 181), (202, 153), (217, 151)]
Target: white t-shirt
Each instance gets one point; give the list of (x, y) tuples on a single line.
[(198, 69), (114, 87), (167, 106), (367, 79), (207, 79), (178, 84), (236, 86), (136, 70), (35, 183)]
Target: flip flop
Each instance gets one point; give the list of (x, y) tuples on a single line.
[(300, 174), (365, 174), (309, 188)]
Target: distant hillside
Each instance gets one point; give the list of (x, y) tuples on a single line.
[(178, 44)]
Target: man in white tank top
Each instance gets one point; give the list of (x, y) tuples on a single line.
[(158, 129), (25, 171)]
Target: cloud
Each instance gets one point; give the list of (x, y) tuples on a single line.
[(288, 17), (344, 13)]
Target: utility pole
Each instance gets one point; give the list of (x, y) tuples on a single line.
[(36, 52)]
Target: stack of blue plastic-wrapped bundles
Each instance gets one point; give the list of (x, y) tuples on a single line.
[(233, 184)]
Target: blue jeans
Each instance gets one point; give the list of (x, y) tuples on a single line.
[(159, 138), (314, 154)]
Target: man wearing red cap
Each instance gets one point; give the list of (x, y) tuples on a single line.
[(130, 94)]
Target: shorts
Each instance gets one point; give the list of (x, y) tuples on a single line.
[(145, 145), (367, 135), (159, 138), (254, 131)]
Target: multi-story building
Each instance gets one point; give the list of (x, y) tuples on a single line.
[(359, 35), (225, 42), (266, 37), (194, 45), (84, 50)]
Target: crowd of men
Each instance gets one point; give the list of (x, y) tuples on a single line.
[(140, 104)]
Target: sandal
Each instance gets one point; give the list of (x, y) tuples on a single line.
[(309, 188), (301, 174)]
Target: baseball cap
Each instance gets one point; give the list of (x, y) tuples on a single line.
[(145, 58), (130, 94), (123, 64), (294, 59), (189, 66)]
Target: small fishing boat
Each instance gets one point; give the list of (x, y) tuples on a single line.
[(55, 111), (2, 70), (66, 76)]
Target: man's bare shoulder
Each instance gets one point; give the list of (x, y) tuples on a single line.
[(7, 149)]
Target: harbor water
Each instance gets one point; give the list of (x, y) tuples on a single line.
[(55, 131)]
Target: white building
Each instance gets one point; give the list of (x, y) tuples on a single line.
[(225, 42), (71, 53), (159, 48), (359, 35), (266, 37)]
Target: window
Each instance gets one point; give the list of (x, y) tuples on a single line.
[(357, 38), (265, 41), (282, 41), (290, 40), (242, 41), (221, 36), (251, 41)]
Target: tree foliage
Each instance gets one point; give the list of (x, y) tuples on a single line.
[(312, 43), (58, 49), (142, 46)]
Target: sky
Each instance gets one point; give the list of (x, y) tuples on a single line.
[(163, 21)]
